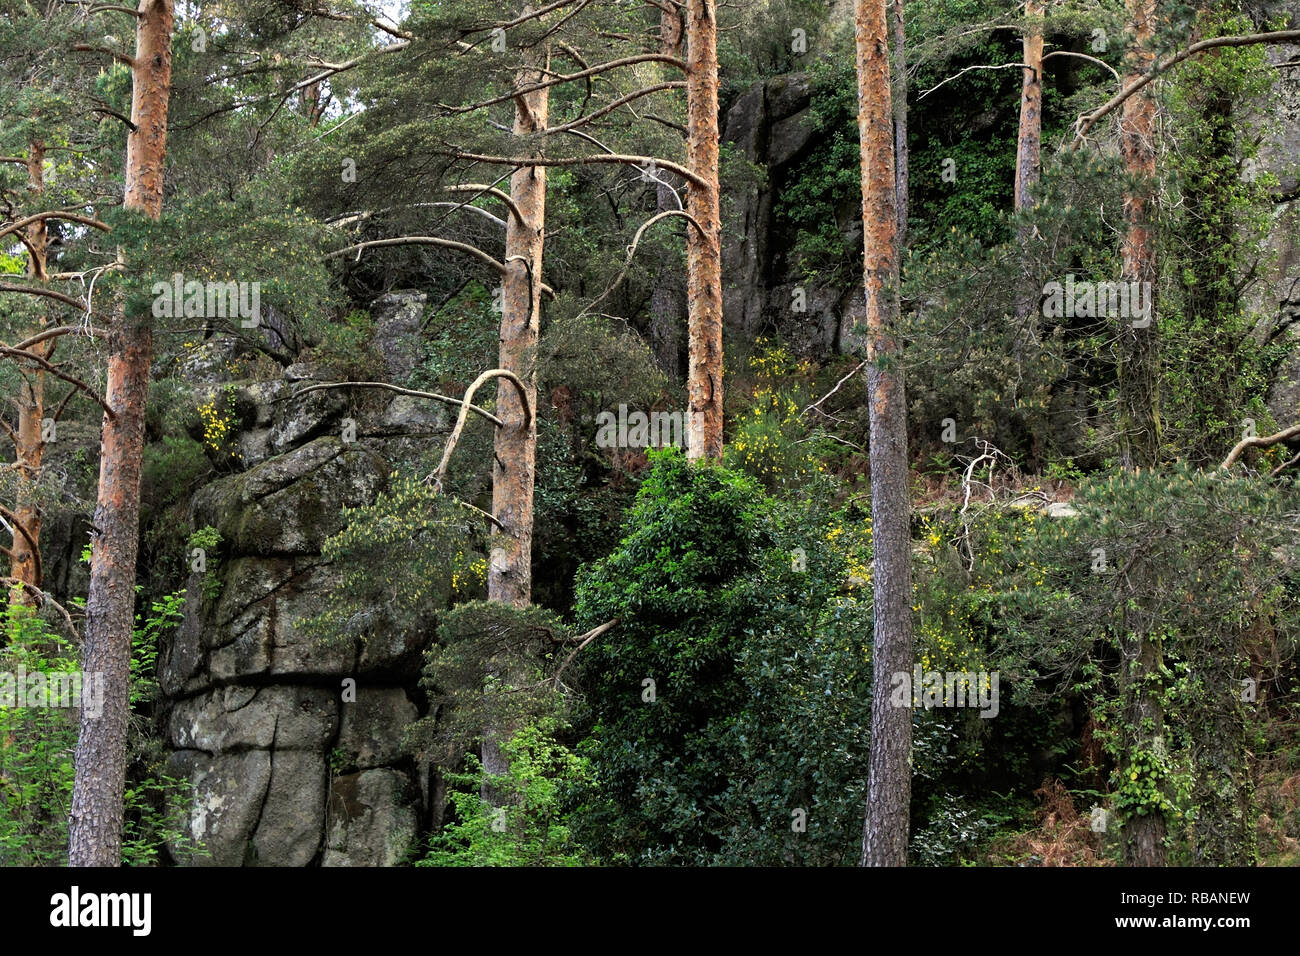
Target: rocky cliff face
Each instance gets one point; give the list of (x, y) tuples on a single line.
[(771, 125), (1278, 296), (292, 745)]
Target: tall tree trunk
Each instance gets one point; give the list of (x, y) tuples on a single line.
[(29, 451), (901, 153), (1029, 150), (667, 306), (889, 789), (510, 568), (703, 253), (1139, 421), (1139, 363), (1141, 686), (95, 835)]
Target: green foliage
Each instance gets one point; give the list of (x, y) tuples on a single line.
[(209, 539), (1219, 356), (770, 439), (488, 668), (399, 561), (346, 349), (760, 662), (37, 743), (1192, 564), (529, 826)]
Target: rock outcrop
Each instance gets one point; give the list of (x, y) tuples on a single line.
[(292, 745)]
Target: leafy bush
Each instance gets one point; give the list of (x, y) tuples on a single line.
[(529, 827), (751, 617)]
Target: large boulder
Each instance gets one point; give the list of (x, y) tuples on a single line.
[(292, 744), (291, 503)]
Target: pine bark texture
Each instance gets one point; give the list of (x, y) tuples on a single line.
[(95, 834), (668, 313), (510, 568), (29, 450), (885, 832), (1029, 147), (901, 154), (1139, 372), (1139, 364), (703, 252)]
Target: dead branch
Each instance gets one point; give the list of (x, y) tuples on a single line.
[(16, 527), (44, 598), (434, 396), (1088, 120), (631, 251), (1258, 441), (583, 640), (464, 414), (53, 214), (47, 293), (465, 247), (25, 356), (616, 158), (568, 78), (978, 66), (484, 189)]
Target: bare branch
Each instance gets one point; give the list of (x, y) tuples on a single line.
[(53, 214), (1088, 120), (978, 66), (47, 293), (16, 527), (1283, 467), (486, 190), (856, 369), (464, 413), (401, 391), (465, 247), (53, 334), (486, 514), (605, 110), (117, 55), (583, 641), (616, 158), (568, 78), (1083, 56), (21, 355), (636, 240), (44, 598), (1258, 441)]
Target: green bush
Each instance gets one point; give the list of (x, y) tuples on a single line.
[(751, 616)]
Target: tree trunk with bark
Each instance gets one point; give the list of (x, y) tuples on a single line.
[(1139, 363), (885, 833), (1141, 685), (901, 154), (668, 312), (1029, 143), (95, 835), (1139, 415), (510, 567), (703, 252), (29, 446)]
